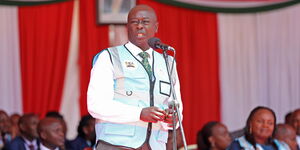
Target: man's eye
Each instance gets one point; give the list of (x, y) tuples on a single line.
[(134, 22), (146, 22)]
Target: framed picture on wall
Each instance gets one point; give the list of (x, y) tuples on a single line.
[(113, 11)]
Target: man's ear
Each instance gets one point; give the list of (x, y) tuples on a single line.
[(211, 140), (156, 27), (43, 135)]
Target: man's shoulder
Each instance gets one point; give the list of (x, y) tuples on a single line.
[(78, 143), (118, 47), (17, 140), (110, 49), (16, 143)]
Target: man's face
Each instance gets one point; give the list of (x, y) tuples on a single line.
[(296, 121), (142, 25), (30, 127), (54, 134)]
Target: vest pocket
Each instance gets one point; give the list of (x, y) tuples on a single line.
[(119, 129)]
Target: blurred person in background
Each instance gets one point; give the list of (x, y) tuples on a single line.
[(14, 125), (28, 139), (5, 137), (57, 115), (86, 134), (51, 133), (296, 124), (213, 136), (286, 133), (260, 128)]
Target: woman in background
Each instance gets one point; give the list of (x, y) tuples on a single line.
[(260, 128), (213, 136)]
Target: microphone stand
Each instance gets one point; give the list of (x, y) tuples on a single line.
[(174, 104)]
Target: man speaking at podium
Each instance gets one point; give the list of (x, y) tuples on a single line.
[(130, 89)]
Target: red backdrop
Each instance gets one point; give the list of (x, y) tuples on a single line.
[(44, 44), (93, 38)]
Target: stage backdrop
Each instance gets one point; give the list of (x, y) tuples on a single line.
[(228, 63)]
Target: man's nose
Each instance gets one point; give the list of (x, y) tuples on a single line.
[(140, 25)]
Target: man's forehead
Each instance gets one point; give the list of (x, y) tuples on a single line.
[(142, 14), (55, 125)]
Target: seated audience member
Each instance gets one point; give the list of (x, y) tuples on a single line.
[(14, 125), (86, 134), (213, 136), (296, 124), (28, 140), (5, 137), (57, 115), (260, 128), (51, 133), (286, 134)]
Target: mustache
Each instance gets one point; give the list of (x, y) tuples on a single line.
[(141, 31)]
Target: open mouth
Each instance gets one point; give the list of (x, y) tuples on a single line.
[(140, 35)]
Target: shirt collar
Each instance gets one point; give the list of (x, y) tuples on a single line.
[(43, 147), (33, 142), (136, 50)]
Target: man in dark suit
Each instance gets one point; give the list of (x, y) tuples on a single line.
[(86, 134), (29, 136)]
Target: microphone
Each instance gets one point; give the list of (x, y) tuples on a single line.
[(155, 43)]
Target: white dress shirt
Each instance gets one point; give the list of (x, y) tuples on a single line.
[(28, 143), (43, 147), (101, 90)]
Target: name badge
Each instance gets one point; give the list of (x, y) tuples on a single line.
[(130, 65)]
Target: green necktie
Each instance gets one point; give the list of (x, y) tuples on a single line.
[(145, 62)]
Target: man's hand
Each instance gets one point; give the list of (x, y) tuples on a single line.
[(169, 117), (152, 114)]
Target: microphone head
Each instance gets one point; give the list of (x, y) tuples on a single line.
[(153, 41)]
